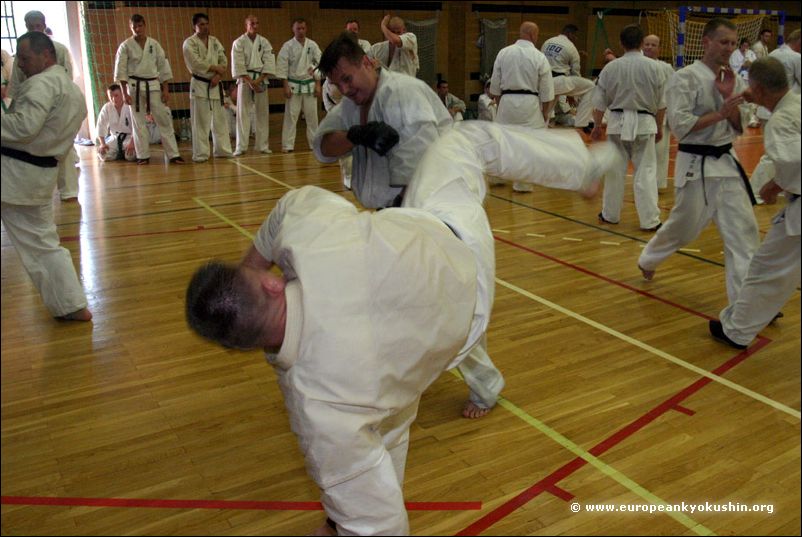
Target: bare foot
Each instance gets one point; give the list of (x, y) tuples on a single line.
[(472, 411), (592, 190), (325, 529), (80, 315), (647, 274)]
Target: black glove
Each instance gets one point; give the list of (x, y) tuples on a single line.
[(376, 135)]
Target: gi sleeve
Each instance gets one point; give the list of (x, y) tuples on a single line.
[(418, 127), (681, 96), (23, 123), (121, 63)]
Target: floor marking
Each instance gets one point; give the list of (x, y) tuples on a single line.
[(595, 226), (692, 250), (610, 243), (222, 217), (217, 504), (572, 239), (535, 235), (257, 172), (546, 484), (500, 231), (657, 352), (162, 201), (606, 469)]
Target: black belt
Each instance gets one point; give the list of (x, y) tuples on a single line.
[(209, 89), (147, 82), (639, 111), (518, 92), (24, 156), (121, 136), (553, 74), (717, 151)]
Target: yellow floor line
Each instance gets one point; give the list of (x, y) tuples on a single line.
[(597, 463), (257, 172), (657, 352), (222, 217)]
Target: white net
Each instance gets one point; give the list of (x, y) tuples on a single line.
[(666, 25), (426, 32), (492, 38)]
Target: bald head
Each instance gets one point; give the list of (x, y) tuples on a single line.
[(794, 40), (529, 31), (651, 46), (35, 21), (396, 25)]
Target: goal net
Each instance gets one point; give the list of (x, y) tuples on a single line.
[(680, 30)]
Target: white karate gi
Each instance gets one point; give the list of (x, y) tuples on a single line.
[(252, 58), (521, 66), (487, 108), (206, 107), (416, 112), (331, 98), (365, 44), (8, 63), (352, 390), (452, 101), (764, 171), (405, 58), (661, 148), (565, 70), (774, 271), (721, 196), (760, 50), (737, 60), (631, 87), (151, 66), (294, 62), (115, 128), (43, 119), (67, 180)]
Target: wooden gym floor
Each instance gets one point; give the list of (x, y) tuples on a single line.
[(615, 394)]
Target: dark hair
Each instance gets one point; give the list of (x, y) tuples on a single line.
[(764, 30), (742, 41), (137, 18), (349, 21), (198, 16), (631, 36), (40, 43), (298, 19), (569, 29), (222, 307), (345, 46), (114, 87), (441, 82), (714, 24), (769, 73)]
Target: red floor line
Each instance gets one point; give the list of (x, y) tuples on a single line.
[(603, 278), (215, 504), (560, 493), (684, 410), (605, 445), (72, 238)]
